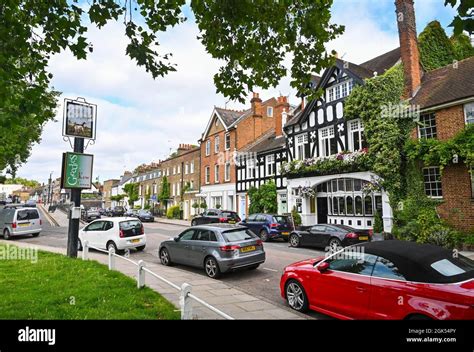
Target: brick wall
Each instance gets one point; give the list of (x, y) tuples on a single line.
[(458, 205)]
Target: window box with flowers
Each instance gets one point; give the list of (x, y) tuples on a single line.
[(337, 163)]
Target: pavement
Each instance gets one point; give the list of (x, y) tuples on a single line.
[(231, 300), (176, 222)]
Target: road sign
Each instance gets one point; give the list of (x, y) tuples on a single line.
[(77, 171), (79, 119)]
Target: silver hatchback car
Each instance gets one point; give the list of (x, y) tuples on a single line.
[(20, 221), (218, 248)]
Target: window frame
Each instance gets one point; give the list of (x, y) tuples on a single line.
[(227, 141), (430, 182), (423, 130)]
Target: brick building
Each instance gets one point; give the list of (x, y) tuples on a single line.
[(226, 133), (182, 172), (107, 192)]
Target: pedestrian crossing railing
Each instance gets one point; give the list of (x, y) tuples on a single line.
[(185, 295)]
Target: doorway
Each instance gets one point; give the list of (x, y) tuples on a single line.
[(322, 206)]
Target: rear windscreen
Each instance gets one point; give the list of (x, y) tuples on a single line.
[(27, 214), (281, 219), (238, 235), (229, 214), (131, 228)]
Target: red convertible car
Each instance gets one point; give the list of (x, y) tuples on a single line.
[(384, 280)]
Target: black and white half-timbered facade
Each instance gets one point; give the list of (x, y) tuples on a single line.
[(258, 163), (320, 131)]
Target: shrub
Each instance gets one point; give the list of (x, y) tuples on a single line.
[(173, 212), (378, 223), (296, 217)]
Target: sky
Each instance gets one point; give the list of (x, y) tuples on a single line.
[(140, 120)]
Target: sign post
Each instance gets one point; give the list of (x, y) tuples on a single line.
[(79, 121)]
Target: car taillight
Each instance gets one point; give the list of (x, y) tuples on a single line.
[(222, 219), (238, 219), (371, 232), (121, 234), (229, 248), (352, 235), (273, 225), (259, 242), (14, 225), (142, 230)]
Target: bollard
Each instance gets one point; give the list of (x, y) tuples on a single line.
[(141, 274), (85, 250), (185, 302), (111, 258)]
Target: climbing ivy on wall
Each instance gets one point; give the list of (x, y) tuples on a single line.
[(436, 50), (377, 103), (462, 46)]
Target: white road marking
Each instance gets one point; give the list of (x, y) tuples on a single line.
[(270, 269)]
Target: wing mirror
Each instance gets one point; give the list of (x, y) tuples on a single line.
[(176, 239), (322, 267)]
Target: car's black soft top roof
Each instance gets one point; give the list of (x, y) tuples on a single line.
[(414, 260)]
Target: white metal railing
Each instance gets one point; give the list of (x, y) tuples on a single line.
[(185, 295)]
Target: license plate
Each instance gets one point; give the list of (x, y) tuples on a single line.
[(135, 241), (285, 233), (247, 249), (363, 238), (24, 225), (231, 222)]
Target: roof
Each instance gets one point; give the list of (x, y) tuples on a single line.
[(124, 179), (219, 226), (358, 70), (414, 260), (383, 62), (268, 143), (229, 116), (446, 84)]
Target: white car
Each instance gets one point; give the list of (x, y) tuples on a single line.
[(117, 233)]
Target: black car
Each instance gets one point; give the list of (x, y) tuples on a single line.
[(216, 216), (117, 211), (328, 235), (145, 216)]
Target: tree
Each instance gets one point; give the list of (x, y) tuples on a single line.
[(131, 190), (263, 199), (464, 20), (436, 50), (250, 38), (22, 181), (164, 192)]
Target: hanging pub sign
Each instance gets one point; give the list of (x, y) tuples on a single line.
[(79, 118), (77, 171)]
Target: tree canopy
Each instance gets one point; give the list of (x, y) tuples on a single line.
[(263, 199), (131, 190)]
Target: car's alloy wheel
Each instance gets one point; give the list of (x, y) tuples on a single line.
[(264, 235), (165, 257), (112, 245), (334, 245), (211, 267), (6, 234), (294, 241), (296, 297)]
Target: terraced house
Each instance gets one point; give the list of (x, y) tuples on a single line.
[(182, 172), (227, 132)]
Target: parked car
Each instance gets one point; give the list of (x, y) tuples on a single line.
[(102, 211), (116, 211), (368, 281), (16, 221), (211, 216), (332, 236), (117, 233), (145, 216), (268, 226), (218, 248), (131, 213), (90, 214)]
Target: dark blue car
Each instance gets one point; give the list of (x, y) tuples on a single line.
[(269, 226)]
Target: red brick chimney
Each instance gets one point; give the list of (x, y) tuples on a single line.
[(408, 46), (282, 105), (256, 103)]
